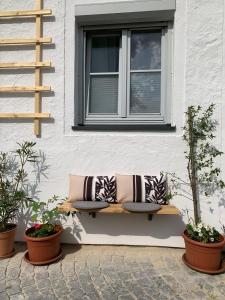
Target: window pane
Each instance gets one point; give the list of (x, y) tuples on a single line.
[(105, 54), (145, 50), (145, 93), (103, 94)]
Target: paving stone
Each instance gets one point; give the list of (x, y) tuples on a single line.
[(43, 283), (61, 292), (13, 273), (27, 281), (107, 295), (72, 283), (30, 290), (50, 297), (94, 295), (58, 283), (41, 275), (12, 283), (2, 286), (13, 290), (221, 288), (34, 297), (2, 275), (4, 296), (17, 297), (108, 273), (76, 294), (126, 297), (200, 295)]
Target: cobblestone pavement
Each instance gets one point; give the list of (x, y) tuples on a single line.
[(108, 273)]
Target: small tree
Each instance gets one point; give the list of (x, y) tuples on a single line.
[(201, 154), (198, 134), (13, 179)]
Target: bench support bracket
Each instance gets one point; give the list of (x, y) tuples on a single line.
[(150, 217), (93, 214)]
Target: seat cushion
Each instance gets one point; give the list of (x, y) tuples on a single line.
[(90, 205), (141, 207)]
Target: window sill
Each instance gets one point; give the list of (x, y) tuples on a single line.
[(159, 127)]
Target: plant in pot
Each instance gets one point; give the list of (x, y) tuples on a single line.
[(203, 243), (13, 192), (43, 237)]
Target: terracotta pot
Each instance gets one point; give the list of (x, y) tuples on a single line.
[(43, 249), (7, 241), (203, 256)]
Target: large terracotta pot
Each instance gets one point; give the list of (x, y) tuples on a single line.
[(7, 241), (203, 256), (43, 249)]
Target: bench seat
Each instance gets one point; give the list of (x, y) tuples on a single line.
[(118, 209)]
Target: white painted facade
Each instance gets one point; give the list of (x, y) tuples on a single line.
[(198, 78)]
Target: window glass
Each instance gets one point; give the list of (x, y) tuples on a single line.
[(104, 74), (103, 94), (145, 93), (145, 72), (145, 50), (105, 54)]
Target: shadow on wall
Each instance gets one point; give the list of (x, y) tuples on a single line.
[(222, 199), (31, 187), (161, 227), (71, 234)]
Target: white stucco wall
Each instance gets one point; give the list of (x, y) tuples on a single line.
[(198, 77)]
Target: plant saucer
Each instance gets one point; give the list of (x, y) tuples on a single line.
[(42, 263), (219, 271), (8, 255)]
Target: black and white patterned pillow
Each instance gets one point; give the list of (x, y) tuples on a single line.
[(92, 188), (105, 188), (155, 189), (142, 188)]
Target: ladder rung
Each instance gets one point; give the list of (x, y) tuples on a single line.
[(25, 89), (15, 65), (25, 13), (24, 115), (46, 40)]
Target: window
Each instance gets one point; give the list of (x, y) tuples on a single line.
[(126, 76)]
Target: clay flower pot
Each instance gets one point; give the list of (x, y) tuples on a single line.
[(203, 257), (7, 241), (43, 250)]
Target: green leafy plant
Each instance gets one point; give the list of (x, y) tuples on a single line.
[(45, 215), (13, 182), (203, 175), (201, 154), (203, 233)]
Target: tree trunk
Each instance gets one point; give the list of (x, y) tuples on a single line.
[(192, 167)]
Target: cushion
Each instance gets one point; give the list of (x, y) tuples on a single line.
[(141, 207), (92, 188), (141, 188), (90, 205)]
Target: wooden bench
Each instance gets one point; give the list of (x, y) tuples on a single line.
[(117, 209)]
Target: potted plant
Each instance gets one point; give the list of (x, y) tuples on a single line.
[(203, 243), (43, 237), (13, 183)]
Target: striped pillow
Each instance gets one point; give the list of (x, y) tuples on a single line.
[(92, 188), (141, 188)]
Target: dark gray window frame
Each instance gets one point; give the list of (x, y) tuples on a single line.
[(89, 18)]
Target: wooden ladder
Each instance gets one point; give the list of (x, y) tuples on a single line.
[(37, 65)]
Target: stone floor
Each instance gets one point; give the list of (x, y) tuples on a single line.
[(108, 272)]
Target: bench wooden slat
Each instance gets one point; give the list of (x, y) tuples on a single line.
[(117, 209)]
